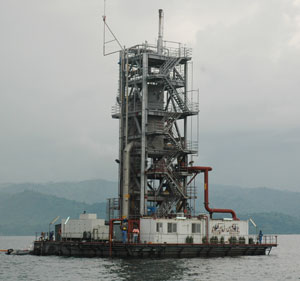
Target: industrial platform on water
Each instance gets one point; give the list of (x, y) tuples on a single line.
[(154, 214)]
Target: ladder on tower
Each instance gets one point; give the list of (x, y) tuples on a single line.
[(112, 208), (176, 95), (169, 65)]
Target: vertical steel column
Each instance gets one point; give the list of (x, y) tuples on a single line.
[(185, 129), (126, 98), (126, 181), (121, 129), (185, 101), (143, 204)]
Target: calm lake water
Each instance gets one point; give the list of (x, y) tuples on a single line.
[(283, 263)]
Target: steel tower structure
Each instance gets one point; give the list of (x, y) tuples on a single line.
[(153, 108)]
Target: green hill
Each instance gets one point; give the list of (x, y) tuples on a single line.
[(242, 200), (245, 200), (28, 212), (273, 223), (89, 191), (28, 208)]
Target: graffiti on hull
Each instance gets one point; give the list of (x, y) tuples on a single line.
[(220, 228)]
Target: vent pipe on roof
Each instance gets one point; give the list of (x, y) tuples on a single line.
[(160, 32)]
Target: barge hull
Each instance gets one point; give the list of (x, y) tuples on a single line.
[(119, 250)]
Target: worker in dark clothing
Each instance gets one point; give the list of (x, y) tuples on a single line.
[(260, 236), (51, 235), (124, 234)]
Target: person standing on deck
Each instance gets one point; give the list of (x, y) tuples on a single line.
[(260, 236), (124, 234), (136, 233)]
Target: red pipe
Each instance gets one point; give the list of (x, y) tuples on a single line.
[(198, 169)]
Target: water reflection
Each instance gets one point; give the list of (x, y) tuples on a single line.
[(150, 269), (282, 264)]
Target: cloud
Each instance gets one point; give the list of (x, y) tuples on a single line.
[(249, 97), (247, 71), (57, 89)]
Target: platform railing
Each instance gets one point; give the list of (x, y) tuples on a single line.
[(266, 239), (170, 49), (192, 145), (70, 236), (192, 106), (173, 238), (195, 238), (115, 109), (93, 236)]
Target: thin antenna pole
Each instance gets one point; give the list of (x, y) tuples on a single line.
[(105, 25), (198, 123), (104, 19)]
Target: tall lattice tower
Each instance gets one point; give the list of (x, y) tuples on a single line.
[(153, 106)]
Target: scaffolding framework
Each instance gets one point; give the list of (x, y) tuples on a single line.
[(153, 106)]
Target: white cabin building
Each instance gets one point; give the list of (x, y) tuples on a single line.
[(191, 230)]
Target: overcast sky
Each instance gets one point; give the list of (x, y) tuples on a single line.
[(57, 89)]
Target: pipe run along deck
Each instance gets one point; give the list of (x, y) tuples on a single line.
[(141, 250)]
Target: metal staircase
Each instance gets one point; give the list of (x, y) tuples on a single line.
[(176, 95), (177, 195), (112, 208), (172, 200), (169, 65), (167, 205), (171, 138)]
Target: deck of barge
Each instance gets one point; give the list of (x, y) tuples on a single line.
[(140, 250)]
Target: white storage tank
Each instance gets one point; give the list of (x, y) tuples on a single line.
[(101, 232), (75, 228)]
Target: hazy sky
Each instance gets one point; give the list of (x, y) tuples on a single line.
[(57, 89)]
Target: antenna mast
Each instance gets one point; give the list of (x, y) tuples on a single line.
[(105, 25)]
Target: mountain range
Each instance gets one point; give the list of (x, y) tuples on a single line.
[(26, 208)]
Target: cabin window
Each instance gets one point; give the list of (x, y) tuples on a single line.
[(196, 228), (172, 227), (159, 227)]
